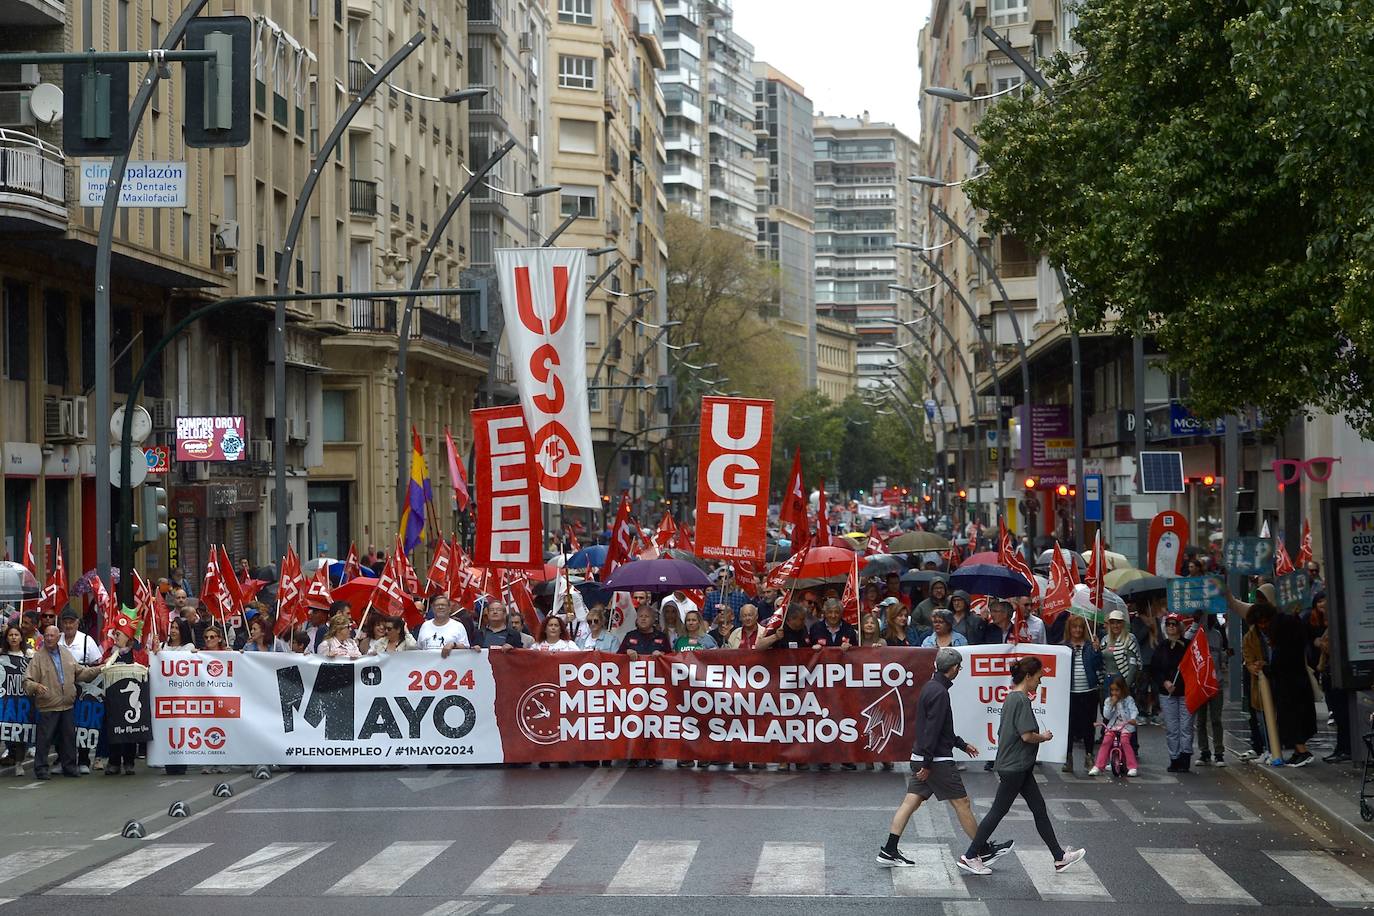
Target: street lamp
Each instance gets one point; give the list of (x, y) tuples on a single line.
[(912, 246), (954, 95), (937, 183), (683, 348)]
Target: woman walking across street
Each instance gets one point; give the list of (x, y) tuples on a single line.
[(1087, 673), (1018, 740)]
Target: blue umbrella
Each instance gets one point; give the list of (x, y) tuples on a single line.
[(336, 571), (595, 555), (989, 579)]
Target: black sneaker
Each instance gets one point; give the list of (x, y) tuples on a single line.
[(994, 851), (987, 767), (1298, 759), (893, 859), (1336, 758)]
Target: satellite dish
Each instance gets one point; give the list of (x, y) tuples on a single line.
[(45, 101)]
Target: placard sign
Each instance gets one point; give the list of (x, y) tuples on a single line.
[(1294, 591), (211, 439), (1250, 556), (1188, 594)]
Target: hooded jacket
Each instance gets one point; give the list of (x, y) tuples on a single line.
[(935, 737)]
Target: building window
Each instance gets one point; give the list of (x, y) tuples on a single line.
[(576, 136), (576, 72), (335, 415), (578, 12), (1006, 12), (580, 200), (16, 332)]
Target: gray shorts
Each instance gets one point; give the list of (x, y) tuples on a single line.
[(944, 782)]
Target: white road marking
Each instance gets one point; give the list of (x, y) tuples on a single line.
[(1138, 817), (21, 863), (790, 870), (1220, 811), (654, 868), (966, 908), (1077, 883), (385, 872), (934, 875), (257, 870), (1195, 877), (1325, 877), (456, 908), (126, 870), (520, 869), (594, 788)]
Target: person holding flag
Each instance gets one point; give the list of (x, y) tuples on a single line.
[(1178, 719), (1209, 708)]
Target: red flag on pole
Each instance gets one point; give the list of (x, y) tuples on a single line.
[(1283, 563), (456, 476), (666, 535), (150, 629), (55, 591), (1199, 676), (851, 594), (1010, 557), (231, 583), (317, 591), (214, 591), (1305, 548), (291, 606), (29, 562), (618, 551), (353, 567), (403, 571), (440, 570), (747, 576), (876, 545), (1095, 576), (786, 570), (1060, 594), (793, 509), (574, 545)]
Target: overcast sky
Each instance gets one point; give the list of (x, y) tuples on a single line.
[(849, 56)]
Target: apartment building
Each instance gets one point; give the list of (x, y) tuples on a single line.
[(400, 160), (864, 209), (785, 201), (837, 354), (606, 150)]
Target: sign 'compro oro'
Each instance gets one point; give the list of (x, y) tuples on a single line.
[(211, 439), (543, 298)]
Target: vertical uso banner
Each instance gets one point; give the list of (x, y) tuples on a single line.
[(510, 527), (544, 300), (732, 478)]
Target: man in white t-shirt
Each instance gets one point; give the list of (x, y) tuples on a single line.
[(442, 632)]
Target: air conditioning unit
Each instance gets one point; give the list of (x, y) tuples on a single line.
[(526, 42), (226, 237), (297, 430), (199, 471), (162, 412), (15, 110), (261, 450), (19, 75), (65, 419)]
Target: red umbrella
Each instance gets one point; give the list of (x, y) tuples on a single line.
[(549, 573), (824, 562), (987, 557), (358, 592)]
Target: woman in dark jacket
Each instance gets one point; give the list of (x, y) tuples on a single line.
[(1178, 721), (1294, 705), (1085, 675)]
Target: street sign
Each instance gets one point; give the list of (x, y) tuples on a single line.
[(1092, 497), (138, 466), (1192, 593), (147, 183), (679, 480), (1249, 556)]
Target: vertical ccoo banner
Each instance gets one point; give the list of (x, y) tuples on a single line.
[(510, 526)]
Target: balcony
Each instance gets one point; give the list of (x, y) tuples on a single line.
[(362, 197), (33, 183), (433, 327), (358, 75), (375, 316), (491, 105), (32, 13), (484, 17)]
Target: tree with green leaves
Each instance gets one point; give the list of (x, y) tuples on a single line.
[(1201, 173)]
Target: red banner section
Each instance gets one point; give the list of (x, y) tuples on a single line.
[(732, 478), (510, 527), (788, 706)]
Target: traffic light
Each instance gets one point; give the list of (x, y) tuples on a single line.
[(1063, 489), (1030, 483), (1208, 480), (1247, 511), (97, 95), (666, 396), (963, 494), (154, 512), (217, 102)]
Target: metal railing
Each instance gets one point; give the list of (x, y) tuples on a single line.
[(32, 167), (362, 197), (377, 316)]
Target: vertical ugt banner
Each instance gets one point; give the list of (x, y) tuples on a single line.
[(543, 298), (732, 478), (510, 526)]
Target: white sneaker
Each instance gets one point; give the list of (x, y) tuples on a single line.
[(85, 770), (1095, 772), (1070, 856), (19, 769), (1132, 772), (974, 866)]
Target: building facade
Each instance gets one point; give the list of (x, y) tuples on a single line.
[(837, 353), (865, 209), (785, 200)]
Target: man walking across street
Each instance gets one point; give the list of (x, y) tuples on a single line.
[(933, 770), (51, 680)]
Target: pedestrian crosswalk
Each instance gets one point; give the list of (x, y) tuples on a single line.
[(671, 867)]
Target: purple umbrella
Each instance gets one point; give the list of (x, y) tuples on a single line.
[(656, 576)]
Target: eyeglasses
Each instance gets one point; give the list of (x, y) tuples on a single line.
[(1289, 470)]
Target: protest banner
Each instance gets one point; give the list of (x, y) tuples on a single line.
[(16, 707), (126, 704), (513, 707), (1249, 556), (1294, 591), (1192, 593)]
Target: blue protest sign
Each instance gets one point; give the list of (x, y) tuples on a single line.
[(1188, 594), (1294, 591), (1250, 556)]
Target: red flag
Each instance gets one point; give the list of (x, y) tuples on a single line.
[(1094, 577), (952, 558), (403, 571), (390, 594), (55, 591), (291, 605), (456, 476), (29, 562), (150, 629), (440, 570), (214, 591), (317, 591), (666, 535), (1283, 563), (353, 567), (618, 551), (851, 594), (231, 581), (747, 576), (793, 509), (1199, 677), (1060, 594), (822, 517), (1010, 557), (784, 571), (516, 593), (684, 538), (876, 545), (573, 544), (1305, 548)]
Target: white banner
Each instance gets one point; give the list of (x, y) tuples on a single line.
[(982, 686), (283, 708), (543, 295)]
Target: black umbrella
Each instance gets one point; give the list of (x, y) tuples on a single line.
[(1144, 587), (881, 565), (924, 576)]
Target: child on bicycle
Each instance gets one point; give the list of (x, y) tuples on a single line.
[(1118, 723)]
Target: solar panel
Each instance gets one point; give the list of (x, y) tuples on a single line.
[(1161, 472)]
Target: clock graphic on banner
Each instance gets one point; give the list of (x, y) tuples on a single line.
[(537, 713)]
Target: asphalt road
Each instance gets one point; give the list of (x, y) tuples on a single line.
[(523, 841)]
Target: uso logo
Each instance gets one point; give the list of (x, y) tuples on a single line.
[(194, 738), (1000, 665)]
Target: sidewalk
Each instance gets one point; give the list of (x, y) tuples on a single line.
[(1332, 791)]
